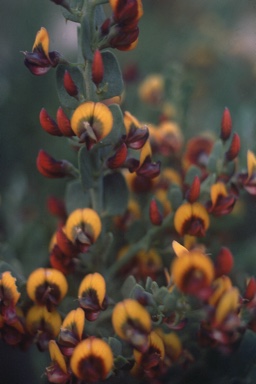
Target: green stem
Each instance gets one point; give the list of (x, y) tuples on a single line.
[(99, 2), (133, 249)]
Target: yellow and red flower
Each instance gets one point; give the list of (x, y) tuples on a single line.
[(71, 331), (43, 325), (151, 90), (40, 60), (132, 322), (197, 151), (192, 272), (121, 31), (58, 371), (91, 122), (83, 228), (47, 287), (191, 219), (92, 295), (248, 179), (150, 363), (222, 202), (92, 360)]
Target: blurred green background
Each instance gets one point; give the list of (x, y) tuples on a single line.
[(212, 42)]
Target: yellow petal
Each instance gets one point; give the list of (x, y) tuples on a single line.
[(251, 163), (218, 189), (179, 249), (95, 282), (56, 355), (42, 40)]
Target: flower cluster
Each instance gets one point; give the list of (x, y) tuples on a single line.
[(135, 263)]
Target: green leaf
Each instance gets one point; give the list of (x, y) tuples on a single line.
[(127, 286), (120, 362), (215, 161), (115, 194), (112, 76), (154, 288), (175, 196), (76, 197), (115, 345), (191, 173), (161, 295), (65, 99)]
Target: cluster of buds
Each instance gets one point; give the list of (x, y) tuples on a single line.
[(121, 31)]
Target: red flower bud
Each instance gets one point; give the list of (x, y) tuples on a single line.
[(234, 148), (118, 159), (224, 262), (226, 125), (69, 84), (49, 167), (57, 207), (194, 190), (64, 123), (97, 68), (49, 124), (250, 291), (155, 215)]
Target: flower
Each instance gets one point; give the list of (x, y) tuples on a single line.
[(121, 31), (151, 90), (132, 322), (191, 219), (92, 360), (197, 151), (40, 60), (92, 295), (83, 227), (57, 372), (47, 286), (43, 325), (149, 363), (248, 179), (71, 331), (192, 272), (222, 202), (91, 122)]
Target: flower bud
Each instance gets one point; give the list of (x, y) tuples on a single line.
[(49, 124), (118, 159), (155, 215), (226, 125), (224, 262), (97, 68), (64, 123), (194, 190), (234, 148), (69, 84)]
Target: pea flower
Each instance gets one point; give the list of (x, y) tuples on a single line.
[(92, 360), (40, 60)]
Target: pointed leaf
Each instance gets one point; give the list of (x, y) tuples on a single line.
[(115, 197)]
